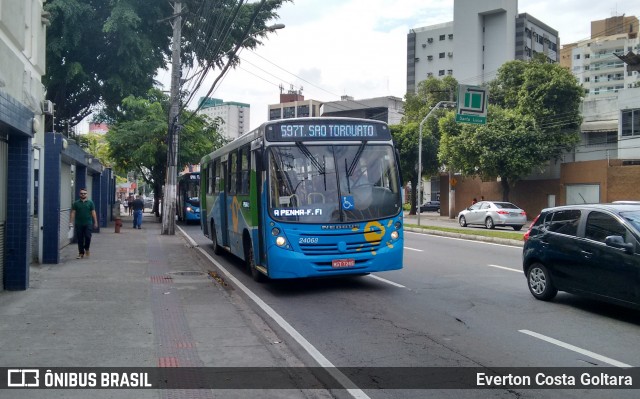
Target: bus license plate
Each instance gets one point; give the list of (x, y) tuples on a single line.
[(339, 263)]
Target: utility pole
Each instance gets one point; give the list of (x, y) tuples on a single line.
[(444, 104), (169, 202)]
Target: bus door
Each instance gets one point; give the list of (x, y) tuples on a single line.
[(223, 206)]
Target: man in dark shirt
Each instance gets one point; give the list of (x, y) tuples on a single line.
[(83, 212), (138, 208)]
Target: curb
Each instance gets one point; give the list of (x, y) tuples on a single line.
[(495, 240)]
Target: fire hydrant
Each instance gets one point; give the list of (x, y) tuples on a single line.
[(118, 224)]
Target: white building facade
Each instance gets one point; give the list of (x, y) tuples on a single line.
[(483, 36), (235, 116), (386, 109)]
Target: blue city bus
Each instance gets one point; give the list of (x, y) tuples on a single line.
[(306, 197), (188, 197)]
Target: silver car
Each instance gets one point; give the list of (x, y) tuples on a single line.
[(492, 214)]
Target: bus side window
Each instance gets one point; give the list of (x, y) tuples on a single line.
[(211, 177), (217, 176), (244, 170), (233, 173)]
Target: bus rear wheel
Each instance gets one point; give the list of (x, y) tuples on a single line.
[(251, 264)]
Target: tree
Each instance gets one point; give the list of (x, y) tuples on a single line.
[(101, 51), (96, 145), (137, 141), (509, 146), (406, 136), (428, 94), (533, 118)]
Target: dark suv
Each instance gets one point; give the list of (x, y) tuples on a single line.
[(585, 249)]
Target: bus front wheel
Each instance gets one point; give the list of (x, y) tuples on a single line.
[(251, 263), (217, 249)]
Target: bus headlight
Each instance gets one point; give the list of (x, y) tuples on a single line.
[(394, 235), (280, 241)]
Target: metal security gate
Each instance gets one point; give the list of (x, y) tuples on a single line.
[(4, 190)]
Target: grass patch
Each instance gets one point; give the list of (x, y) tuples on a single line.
[(473, 231)]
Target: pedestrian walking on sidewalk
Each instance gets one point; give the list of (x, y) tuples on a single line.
[(138, 208), (83, 216)]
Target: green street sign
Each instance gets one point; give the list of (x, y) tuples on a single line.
[(478, 120), (472, 104)]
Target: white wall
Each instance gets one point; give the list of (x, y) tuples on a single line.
[(497, 17)]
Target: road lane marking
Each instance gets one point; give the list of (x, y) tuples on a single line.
[(302, 341), (576, 349), (413, 249), (506, 268), (188, 237), (387, 281), (465, 239)]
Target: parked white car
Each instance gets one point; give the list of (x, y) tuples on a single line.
[(492, 214)]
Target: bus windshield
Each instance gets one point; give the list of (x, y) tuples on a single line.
[(333, 183)]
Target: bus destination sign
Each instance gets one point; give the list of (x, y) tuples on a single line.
[(327, 130)]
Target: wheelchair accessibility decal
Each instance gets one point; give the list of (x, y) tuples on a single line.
[(347, 202)]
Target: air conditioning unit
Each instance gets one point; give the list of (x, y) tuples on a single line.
[(430, 40), (450, 53), (429, 57), (47, 107), (424, 45)]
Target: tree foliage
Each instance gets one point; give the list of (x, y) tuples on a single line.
[(534, 118), (407, 135), (101, 51), (137, 141), (96, 145)]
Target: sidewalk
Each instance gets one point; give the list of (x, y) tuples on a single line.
[(428, 219), (141, 299)]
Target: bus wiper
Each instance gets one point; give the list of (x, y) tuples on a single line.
[(355, 159), (303, 148)]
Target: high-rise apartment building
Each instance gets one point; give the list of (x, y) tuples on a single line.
[(235, 116), (483, 36), (593, 61)]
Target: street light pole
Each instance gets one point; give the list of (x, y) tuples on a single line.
[(169, 202), (445, 104)]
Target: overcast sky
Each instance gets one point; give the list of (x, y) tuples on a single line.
[(330, 48)]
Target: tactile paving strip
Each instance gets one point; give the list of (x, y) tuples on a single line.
[(175, 346)]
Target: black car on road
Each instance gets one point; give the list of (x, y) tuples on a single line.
[(591, 250), (430, 206)]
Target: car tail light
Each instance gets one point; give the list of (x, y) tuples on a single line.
[(525, 237), (502, 212)]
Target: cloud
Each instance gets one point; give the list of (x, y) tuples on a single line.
[(358, 47)]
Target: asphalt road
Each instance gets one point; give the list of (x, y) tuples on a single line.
[(455, 303)]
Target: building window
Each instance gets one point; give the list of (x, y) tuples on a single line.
[(442, 37), (449, 71), (289, 112), (441, 55), (274, 114), (303, 110), (631, 122), (577, 57), (601, 138), (441, 72)]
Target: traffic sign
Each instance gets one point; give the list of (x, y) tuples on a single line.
[(472, 104)]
